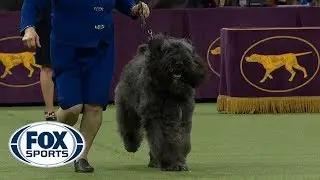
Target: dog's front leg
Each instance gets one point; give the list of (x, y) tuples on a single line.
[(266, 75), (6, 72), (153, 162), (292, 72), (31, 70), (187, 109), (165, 137)]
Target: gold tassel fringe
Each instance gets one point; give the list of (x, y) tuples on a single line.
[(263, 105), (222, 103)]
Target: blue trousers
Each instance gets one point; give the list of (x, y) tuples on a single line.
[(82, 75)]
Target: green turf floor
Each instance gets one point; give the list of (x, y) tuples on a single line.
[(240, 147)]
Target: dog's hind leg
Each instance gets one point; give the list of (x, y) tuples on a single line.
[(129, 127), (292, 72), (31, 70), (297, 66)]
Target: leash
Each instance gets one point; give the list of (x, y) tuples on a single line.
[(144, 24)]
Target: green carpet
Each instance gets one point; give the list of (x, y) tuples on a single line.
[(224, 147)]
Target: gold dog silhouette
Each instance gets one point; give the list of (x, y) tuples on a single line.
[(216, 51), (273, 62), (11, 60)]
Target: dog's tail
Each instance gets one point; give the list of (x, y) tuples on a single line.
[(302, 54)]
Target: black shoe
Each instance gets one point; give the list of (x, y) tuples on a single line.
[(82, 166), (50, 116)]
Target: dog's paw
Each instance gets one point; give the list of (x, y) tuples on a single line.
[(153, 165), (131, 147), (178, 167), (131, 144)]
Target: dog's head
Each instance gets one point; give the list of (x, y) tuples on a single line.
[(174, 62), (253, 58)]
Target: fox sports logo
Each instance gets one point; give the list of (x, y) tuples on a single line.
[(46, 144)]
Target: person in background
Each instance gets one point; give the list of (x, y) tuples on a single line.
[(180, 4), (42, 56), (305, 2), (43, 28), (298, 2), (82, 55)]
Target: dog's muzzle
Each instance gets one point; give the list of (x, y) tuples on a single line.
[(250, 59), (177, 76), (177, 70)]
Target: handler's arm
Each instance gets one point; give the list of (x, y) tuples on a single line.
[(124, 6), (29, 12)]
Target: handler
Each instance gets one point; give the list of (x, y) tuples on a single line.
[(82, 55)]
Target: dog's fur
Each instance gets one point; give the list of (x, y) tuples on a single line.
[(155, 95)]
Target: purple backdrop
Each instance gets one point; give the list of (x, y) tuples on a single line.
[(278, 51), (201, 25)]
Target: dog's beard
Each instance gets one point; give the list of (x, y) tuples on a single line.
[(178, 83), (170, 78), (169, 82), (176, 71), (177, 86)]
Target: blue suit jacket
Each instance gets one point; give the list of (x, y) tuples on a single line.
[(82, 23)]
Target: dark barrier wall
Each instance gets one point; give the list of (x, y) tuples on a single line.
[(10, 5), (20, 83)]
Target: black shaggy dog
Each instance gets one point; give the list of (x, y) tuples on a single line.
[(155, 95)]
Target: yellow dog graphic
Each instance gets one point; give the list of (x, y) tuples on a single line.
[(273, 62), (11, 60), (216, 51)]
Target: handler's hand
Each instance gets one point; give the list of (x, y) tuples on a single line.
[(31, 38), (141, 9)]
